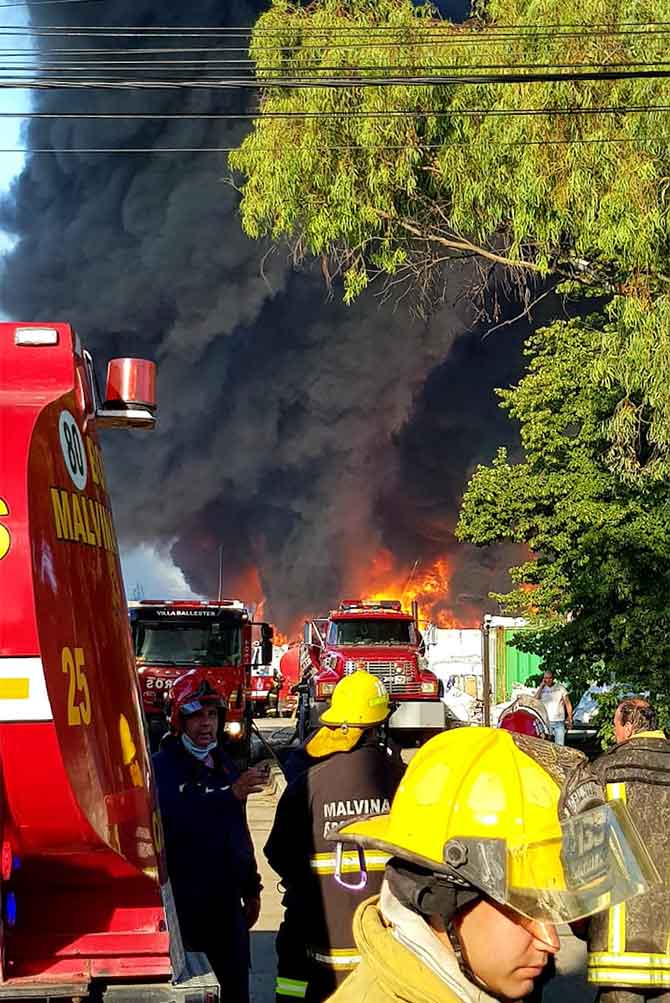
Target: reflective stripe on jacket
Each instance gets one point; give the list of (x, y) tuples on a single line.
[(629, 944), (319, 910)]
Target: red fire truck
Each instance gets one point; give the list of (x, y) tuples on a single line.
[(87, 909), (384, 640), (171, 637), (265, 683)]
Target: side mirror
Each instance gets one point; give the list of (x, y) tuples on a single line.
[(308, 634), (267, 635), (130, 395)]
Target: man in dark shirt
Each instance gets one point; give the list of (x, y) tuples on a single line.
[(210, 856)]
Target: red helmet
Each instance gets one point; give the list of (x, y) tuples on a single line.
[(190, 693), (524, 722)]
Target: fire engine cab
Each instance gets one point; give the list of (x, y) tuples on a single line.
[(87, 909), (381, 638), (171, 637)]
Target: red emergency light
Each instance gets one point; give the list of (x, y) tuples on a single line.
[(130, 394), (131, 381)]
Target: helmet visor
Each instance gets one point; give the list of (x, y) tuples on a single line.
[(595, 863)]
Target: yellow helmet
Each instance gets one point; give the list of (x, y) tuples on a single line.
[(360, 700), (481, 806)]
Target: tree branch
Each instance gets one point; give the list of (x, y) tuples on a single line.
[(462, 245)]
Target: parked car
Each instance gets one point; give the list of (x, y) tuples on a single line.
[(585, 715)]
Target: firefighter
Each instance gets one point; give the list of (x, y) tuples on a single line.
[(210, 856), (629, 951), (351, 774), (494, 838)]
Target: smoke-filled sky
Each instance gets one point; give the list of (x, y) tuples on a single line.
[(300, 435)]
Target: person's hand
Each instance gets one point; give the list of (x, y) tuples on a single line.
[(252, 908), (252, 781)]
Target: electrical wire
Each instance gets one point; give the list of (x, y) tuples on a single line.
[(335, 83), (359, 149), (359, 115), (46, 3), (306, 72), (423, 24), (409, 33), (277, 48)]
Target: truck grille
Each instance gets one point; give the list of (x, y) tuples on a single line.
[(397, 682)]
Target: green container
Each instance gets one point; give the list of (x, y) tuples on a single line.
[(512, 665)]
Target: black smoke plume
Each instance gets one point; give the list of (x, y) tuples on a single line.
[(299, 435)]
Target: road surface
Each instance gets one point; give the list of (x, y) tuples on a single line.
[(568, 987)]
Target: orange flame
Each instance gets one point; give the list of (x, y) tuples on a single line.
[(429, 587)]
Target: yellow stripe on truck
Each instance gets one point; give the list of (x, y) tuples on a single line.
[(14, 689)]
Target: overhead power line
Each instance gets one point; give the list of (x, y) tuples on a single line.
[(407, 35), (358, 115), (336, 83), (306, 72), (46, 3), (357, 148)]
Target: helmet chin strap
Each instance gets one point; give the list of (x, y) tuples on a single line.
[(465, 967)]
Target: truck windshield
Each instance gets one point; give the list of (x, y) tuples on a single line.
[(186, 644), (361, 631)]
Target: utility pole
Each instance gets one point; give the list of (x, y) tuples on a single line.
[(220, 572), (486, 668)]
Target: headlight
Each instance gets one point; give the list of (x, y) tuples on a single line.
[(325, 689), (233, 729), (429, 686)]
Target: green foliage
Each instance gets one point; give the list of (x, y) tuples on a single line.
[(582, 196), (596, 584), (458, 172)]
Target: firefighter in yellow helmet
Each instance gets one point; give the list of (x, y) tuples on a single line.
[(494, 838), (349, 774)]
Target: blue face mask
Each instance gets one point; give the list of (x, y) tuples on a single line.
[(196, 750)]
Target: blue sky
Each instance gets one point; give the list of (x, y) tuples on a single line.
[(12, 101)]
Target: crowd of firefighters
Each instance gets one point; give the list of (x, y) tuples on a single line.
[(442, 881)]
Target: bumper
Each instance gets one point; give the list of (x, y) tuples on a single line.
[(197, 986), (419, 715)]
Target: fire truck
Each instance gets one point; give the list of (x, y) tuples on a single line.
[(87, 909), (265, 683), (171, 637), (382, 639)]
